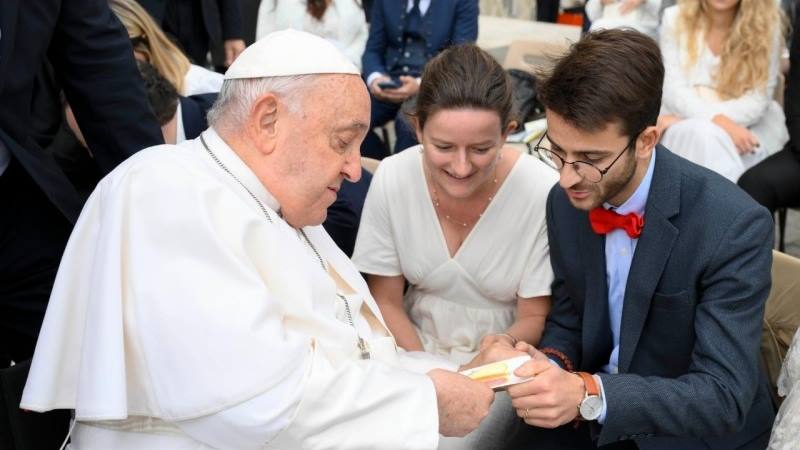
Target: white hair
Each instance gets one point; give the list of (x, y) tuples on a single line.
[(235, 100)]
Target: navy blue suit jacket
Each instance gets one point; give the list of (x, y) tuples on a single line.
[(194, 110), (689, 374), (446, 22), (91, 54)]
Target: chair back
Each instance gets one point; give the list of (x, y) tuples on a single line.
[(781, 316)]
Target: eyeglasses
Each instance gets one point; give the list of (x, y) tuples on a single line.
[(585, 169)]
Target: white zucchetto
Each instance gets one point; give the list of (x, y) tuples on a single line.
[(290, 52)]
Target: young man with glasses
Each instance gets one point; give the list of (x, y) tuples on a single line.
[(661, 272)]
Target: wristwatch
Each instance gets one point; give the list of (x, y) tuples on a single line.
[(592, 405)]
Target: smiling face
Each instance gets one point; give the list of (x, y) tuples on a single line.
[(598, 148), (317, 146), (461, 148)]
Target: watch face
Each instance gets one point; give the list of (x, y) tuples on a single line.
[(591, 407)]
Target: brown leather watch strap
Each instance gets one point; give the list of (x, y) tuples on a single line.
[(591, 384)]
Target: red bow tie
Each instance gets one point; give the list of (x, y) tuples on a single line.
[(603, 221)]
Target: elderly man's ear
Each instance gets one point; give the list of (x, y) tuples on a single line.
[(263, 123)]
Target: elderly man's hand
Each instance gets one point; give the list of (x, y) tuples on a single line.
[(462, 402), (551, 398)]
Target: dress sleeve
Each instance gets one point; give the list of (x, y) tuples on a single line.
[(265, 24), (678, 97), (354, 48), (376, 244)]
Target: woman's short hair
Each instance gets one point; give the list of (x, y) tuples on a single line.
[(463, 76), (607, 76)]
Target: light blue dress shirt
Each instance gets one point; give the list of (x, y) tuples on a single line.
[(423, 6), (619, 254)]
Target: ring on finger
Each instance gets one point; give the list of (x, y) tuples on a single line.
[(525, 414)]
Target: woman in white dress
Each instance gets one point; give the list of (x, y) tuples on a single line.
[(721, 59), (786, 431), (152, 46), (641, 15), (339, 21), (461, 218)]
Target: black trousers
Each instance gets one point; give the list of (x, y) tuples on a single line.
[(775, 182), (33, 234), (565, 437)]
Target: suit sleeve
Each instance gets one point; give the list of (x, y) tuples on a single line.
[(563, 327), (465, 29), (230, 12), (91, 53), (715, 395), (375, 51)]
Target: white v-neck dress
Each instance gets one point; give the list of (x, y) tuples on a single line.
[(455, 301)]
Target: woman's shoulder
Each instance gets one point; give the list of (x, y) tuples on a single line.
[(534, 172), (400, 164), (531, 180), (397, 172)]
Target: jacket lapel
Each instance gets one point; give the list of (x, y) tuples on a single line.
[(597, 342), (652, 252)]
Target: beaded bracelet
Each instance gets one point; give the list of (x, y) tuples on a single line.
[(557, 354)]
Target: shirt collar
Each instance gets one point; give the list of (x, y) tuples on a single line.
[(637, 202), (239, 169), (180, 132)]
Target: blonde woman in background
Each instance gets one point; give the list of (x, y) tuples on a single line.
[(721, 59), (151, 45), (339, 21)]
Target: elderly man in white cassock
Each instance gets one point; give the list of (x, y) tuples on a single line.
[(199, 304)]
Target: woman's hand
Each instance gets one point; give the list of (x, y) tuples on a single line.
[(744, 139)]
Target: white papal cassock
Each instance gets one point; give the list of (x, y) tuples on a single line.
[(182, 318)]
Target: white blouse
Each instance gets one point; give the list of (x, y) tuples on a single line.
[(343, 23), (455, 301)]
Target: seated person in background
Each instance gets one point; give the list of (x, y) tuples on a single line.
[(181, 118), (339, 21), (151, 45), (662, 270), (641, 15), (461, 219), (199, 304), (721, 59), (775, 182), (403, 36)]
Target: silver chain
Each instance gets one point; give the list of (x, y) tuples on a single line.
[(362, 344)]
